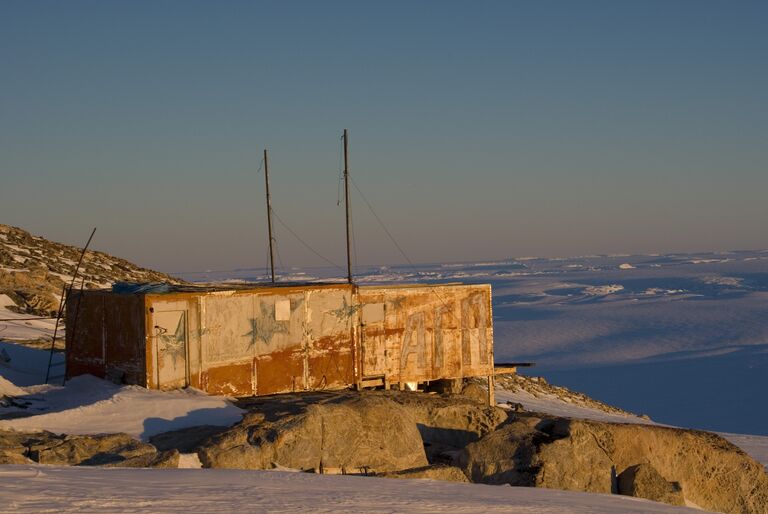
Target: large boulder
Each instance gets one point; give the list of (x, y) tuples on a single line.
[(509, 455), (476, 392), (165, 459), (13, 457), (12, 447), (371, 433), (576, 460), (108, 450), (89, 450), (643, 481), (441, 472), (583, 455), (449, 423)]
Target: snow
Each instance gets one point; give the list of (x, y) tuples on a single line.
[(27, 366), (5, 301), (551, 404), (49, 489), (64, 277), (756, 446), (8, 388), (651, 291), (88, 405), (22, 329)]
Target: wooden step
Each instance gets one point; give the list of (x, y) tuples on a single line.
[(372, 382)]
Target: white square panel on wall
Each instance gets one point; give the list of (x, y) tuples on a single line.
[(283, 310)]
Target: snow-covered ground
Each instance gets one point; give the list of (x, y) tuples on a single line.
[(550, 404), (49, 489), (88, 405), (756, 446), (24, 328), (26, 366)]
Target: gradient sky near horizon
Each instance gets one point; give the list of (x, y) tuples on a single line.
[(478, 130)]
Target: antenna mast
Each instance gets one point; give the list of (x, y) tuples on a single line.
[(269, 216), (346, 203)]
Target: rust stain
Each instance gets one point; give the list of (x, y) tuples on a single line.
[(374, 331), (230, 380), (281, 371)]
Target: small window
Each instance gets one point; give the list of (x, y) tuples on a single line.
[(282, 310)]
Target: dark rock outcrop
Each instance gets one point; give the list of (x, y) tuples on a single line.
[(363, 432), (643, 481), (435, 472), (13, 449), (581, 455), (449, 423), (108, 450), (450, 437), (89, 450), (373, 431)]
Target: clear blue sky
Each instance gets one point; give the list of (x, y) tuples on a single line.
[(478, 130)]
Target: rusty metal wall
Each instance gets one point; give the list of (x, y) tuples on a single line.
[(259, 341), (105, 336), (283, 339), (424, 333)]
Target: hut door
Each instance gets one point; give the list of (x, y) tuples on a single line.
[(373, 340), (170, 333)]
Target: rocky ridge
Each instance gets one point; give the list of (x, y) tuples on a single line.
[(671, 465), (453, 437), (107, 450), (34, 270), (538, 387)]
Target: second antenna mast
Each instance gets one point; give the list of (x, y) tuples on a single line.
[(269, 216), (346, 203)]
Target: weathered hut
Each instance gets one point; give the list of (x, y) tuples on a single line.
[(264, 340)]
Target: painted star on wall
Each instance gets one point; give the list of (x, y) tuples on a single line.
[(265, 326), (346, 311), (174, 345)]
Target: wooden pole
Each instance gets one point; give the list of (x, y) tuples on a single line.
[(269, 216), (346, 203), (65, 299)]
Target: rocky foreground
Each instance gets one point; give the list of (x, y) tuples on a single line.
[(443, 437)]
